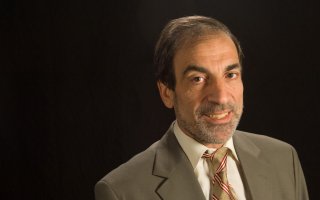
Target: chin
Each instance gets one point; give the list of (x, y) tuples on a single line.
[(213, 137), (220, 137)]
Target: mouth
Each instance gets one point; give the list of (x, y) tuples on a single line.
[(219, 118)]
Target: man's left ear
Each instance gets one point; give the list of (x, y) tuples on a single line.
[(166, 94)]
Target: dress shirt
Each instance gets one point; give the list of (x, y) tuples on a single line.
[(194, 151)]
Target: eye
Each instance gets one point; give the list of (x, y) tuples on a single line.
[(232, 75), (198, 79)]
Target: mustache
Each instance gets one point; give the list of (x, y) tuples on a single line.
[(209, 108)]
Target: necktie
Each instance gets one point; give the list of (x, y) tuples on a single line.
[(220, 188)]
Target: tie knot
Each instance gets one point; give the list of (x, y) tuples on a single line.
[(218, 154), (218, 159)]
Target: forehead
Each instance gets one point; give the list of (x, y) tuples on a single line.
[(207, 51)]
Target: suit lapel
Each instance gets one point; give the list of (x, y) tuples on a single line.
[(257, 173), (172, 164)]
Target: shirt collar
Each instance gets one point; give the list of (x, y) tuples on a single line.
[(193, 149)]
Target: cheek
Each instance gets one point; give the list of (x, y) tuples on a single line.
[(189, 95), (188, 100), (237, 89), (193, 96), (239, 94)]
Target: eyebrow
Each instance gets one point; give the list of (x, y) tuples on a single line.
[(233, 66), (195, 68), (205, 71)]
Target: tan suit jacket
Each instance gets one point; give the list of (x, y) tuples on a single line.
[(270, 169)]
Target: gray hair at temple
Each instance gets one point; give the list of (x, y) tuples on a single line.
[(175, 34)]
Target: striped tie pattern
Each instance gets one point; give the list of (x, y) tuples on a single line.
[(220, 188)]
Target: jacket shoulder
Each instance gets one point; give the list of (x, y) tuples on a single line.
[(263, 141), (280, 157), (130, 176), (140, 163)]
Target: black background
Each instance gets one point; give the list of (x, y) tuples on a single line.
[(78, 94)]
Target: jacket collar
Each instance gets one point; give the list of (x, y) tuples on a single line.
[(172, 164), (256, 171), (179, 181)]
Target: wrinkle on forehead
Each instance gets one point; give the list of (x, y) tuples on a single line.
[(213, 47)]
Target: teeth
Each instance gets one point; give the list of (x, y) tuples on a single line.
[(219, 116)]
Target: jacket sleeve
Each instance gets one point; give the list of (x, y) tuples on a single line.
[(104, 192), (300, 183)]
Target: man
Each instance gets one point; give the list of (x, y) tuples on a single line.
[(199, 68)]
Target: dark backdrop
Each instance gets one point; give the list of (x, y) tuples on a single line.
[(78, 95)]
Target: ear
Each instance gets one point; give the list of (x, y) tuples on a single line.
[(166, 94)]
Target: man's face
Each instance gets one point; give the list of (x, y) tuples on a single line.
[(208, 96)]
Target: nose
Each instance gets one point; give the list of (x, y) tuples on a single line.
[(217, 92)]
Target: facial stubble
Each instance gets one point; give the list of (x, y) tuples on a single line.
[(205, 132)]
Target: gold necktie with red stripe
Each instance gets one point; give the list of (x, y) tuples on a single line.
[(220, 188)]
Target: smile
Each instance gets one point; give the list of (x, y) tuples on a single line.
[(218, 116)]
